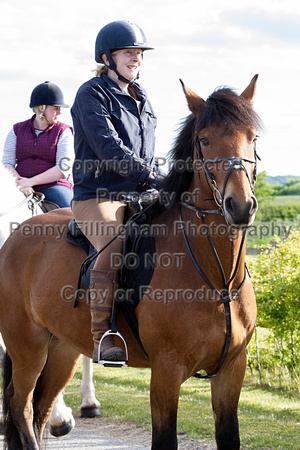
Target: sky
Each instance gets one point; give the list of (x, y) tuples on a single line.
[(207, 44)]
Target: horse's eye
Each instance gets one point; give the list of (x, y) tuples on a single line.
[(204, 142)]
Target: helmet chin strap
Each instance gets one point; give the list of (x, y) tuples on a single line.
[(112, 66)]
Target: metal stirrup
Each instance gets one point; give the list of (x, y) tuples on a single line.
[(106, 363)]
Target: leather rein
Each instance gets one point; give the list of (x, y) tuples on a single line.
[(31, 200), (224, 294)]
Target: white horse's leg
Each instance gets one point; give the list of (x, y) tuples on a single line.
[(61, 421), (90, 407), (2, 349), (2, 353)]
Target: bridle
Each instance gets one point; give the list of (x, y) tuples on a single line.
[(233, 162), (224, 294)]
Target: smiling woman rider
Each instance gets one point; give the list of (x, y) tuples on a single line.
[(114, 127), (39, 151)]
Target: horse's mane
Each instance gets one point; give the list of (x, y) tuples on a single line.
[(179, 178), (223, 107)]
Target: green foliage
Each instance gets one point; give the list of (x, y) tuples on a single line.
[(277, 284), (268, 211), (276, 280), (267, 195), (292, 187), (263, 190), (281, 179)]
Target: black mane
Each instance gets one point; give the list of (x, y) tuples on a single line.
[(223, 107), (179, 177)]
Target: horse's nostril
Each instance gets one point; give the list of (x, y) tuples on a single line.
[(254, 205), (229, 204)]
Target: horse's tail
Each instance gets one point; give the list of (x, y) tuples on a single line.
[(12, 438)]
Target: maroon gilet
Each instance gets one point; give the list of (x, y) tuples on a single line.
[(36, 154)]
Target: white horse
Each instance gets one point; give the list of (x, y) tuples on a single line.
[(14, 209)]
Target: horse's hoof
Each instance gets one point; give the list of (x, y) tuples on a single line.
[(90, 411), (61, 430)]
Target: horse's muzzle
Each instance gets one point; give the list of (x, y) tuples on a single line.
[(240, 214)]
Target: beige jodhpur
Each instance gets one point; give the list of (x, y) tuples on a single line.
[(100, 220)]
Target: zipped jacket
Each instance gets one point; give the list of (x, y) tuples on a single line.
[(114, 139), (37, 153)]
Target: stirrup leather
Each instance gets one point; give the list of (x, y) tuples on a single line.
[(105, 363)]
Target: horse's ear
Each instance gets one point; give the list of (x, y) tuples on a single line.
[(196, 103), (248, 93)]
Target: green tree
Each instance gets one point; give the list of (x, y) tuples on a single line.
[(291, 188)]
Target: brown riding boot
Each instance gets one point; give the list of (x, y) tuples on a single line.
[(103, 284)]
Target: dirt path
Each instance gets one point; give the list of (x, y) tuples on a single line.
[(126, 432), (130, 432)]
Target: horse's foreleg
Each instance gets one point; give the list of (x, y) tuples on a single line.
[(225, 389), (164, 395), (90, 405)]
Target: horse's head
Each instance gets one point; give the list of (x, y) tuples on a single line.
[(225, 133)]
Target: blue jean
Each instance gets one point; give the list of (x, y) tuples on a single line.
[(61, 195)]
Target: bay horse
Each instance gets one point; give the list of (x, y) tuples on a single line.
[(197, 313), (15, 208)]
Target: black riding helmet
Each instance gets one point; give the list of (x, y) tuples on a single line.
[(116, 36), (47, 94)]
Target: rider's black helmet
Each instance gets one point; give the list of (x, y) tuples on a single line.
[(116, 36), (47, 94)]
